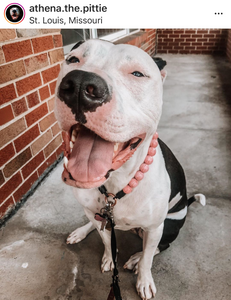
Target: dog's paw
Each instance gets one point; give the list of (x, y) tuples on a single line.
[(132, 263), (107, 263), (76, 236), (145, 285)]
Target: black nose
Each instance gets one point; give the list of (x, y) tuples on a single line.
[(82, 92)]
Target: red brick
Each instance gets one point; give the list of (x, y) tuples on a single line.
[(190, 40), (216, 31), (203, 31), (174, 35), (47, 163), (202, 48), (55, 129), (6, 154), (56, 56), (162, 44), (27, 84), (25, 187), (52, 87), (185, 35), (33, 99), (26, 138), (32, 165), (185, 44), (6, 114), (190, 47), (16, 163), (190, 31), (59, 151), (195, 51), (197, 36), (47, 122), (37, 62), (57, 141), (10, 186), (184, 51), (12, 71), (209, 35), (178, 47), (41, 44), (7, 93), (17, 50), (12, 131), (36, 114), (58, 41), (202, 40), (51, 73), (41, 142), (179, 40), (6, 207), (7, 34), (44, 93), (179, 31), (173, 51), (19, 106), (2, 179)]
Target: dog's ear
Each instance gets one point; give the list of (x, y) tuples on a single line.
[(160, 62), (77, 45), (163, 74)]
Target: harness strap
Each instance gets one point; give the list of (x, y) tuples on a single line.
[(103, 191)]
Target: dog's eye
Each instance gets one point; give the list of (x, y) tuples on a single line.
[(138, 74), (73, 60)]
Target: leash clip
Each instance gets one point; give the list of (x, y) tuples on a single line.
[(109, 202)]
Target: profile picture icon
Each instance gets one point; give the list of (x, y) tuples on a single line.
[(14, 13)]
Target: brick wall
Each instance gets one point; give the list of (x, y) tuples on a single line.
[(145, 39), (228, 46), (192, 41), (30, 137)]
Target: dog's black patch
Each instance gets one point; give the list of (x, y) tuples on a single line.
[(175, 171), (160, 62), (83, 92), (178, 185), (77, 45)]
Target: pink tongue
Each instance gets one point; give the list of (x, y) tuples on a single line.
[(91, 157)]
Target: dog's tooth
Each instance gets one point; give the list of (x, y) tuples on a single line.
[(65, 160), (73, 135), (71, 145), (116, 146)]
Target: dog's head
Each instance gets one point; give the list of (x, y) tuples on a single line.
[(108, 101), (14, 13)]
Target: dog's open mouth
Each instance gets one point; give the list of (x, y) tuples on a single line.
[(89, 159)]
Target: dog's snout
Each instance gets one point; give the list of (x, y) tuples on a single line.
[(83, 91)]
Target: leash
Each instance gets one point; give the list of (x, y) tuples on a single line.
[(106, 213)]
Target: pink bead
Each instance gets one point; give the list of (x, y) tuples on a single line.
[(151, 151), (127, 189), (133, 183), (155, 136), (144, 168), (154, 143), (148, 160), (139, 175)]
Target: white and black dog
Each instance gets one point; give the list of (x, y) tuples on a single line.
[(108, 105)]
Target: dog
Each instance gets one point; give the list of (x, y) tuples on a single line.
[(14, 14), (108, 105)]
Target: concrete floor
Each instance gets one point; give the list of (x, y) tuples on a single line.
[(35, 262)]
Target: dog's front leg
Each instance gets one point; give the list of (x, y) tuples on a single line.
[(145, 285), (107, 262)]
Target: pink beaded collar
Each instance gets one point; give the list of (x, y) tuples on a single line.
[(144, 167)]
